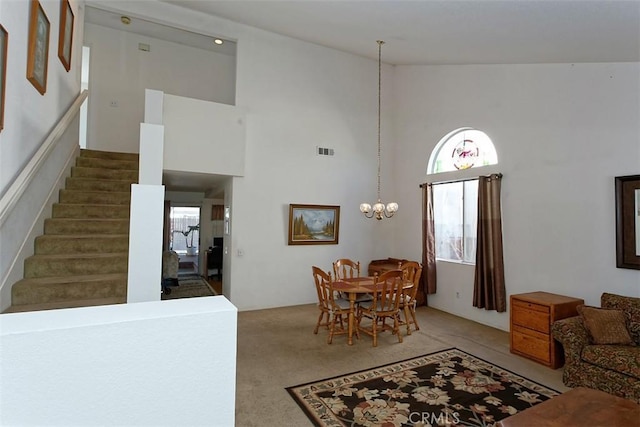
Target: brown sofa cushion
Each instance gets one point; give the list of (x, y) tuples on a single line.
[(631, 308), (605, 326), (620, 358)]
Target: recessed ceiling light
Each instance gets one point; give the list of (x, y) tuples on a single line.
[(218, 41), (125, 20)]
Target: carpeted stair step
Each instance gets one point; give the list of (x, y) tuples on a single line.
[(95, 197), (75, 264), (87, 211), (112, 155), (99, 173), (86, 226), (74, 244), (76, 288), (82, 258), (90, 162), (88, 184), (65, 304)]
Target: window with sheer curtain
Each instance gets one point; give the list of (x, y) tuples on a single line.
[(455, 204), (455, 214)]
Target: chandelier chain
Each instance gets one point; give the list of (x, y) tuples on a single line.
[(380, 43), (379, 210)]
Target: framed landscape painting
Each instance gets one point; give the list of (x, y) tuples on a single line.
[(65, 39), (38, 52), (4, 43), (313, 224)]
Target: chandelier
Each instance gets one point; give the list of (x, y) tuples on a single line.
[(379, 210)]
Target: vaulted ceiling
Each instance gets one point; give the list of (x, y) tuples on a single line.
[(450, 31)]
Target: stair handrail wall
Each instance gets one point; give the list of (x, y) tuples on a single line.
[(24, 178), (27, 202)]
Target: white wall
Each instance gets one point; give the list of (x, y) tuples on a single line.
[(300, 96), (562, 132), (120, 73), (29, 116), (203, 136), (146, 364)]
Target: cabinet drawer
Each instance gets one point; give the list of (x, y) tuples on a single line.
[(535, 346), (516, 303), (532, 319)]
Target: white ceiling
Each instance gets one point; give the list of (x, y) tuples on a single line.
[(450, 31), (147, 28)]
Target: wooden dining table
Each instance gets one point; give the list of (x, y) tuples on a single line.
[(354, 286)]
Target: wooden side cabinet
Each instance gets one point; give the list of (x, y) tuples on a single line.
[(532, 315)]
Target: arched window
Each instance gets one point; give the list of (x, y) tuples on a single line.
[(455, 202), (461, 149)]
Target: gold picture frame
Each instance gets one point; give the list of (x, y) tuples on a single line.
[(65, 38), (313, 224), (38, 52), (4, 45), (628, 221)]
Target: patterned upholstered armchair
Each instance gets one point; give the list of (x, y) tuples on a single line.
[(612, 368)]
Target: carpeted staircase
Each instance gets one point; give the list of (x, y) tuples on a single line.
[(81, 260)]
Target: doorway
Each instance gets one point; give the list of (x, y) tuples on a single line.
[(184, 235)]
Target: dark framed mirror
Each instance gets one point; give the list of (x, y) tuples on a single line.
[(628, 221)]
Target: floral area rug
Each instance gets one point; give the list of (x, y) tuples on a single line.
[(449, 387)]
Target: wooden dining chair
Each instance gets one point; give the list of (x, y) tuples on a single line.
[(412, 271), (385, 305), (334, 308), (344, 268), (318, 277)]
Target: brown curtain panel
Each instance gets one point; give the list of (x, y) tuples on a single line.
[(488, 288), (428, 247)]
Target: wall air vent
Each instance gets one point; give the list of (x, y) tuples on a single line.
[(320, 151)]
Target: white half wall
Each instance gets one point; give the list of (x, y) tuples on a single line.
[(203, 137), (151, 149), (120, 73), (165, 363), (145, 243)]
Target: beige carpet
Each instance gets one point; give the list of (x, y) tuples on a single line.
[(190, 287), (277, 349)]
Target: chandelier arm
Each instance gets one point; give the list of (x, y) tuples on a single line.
[(369, 216)]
